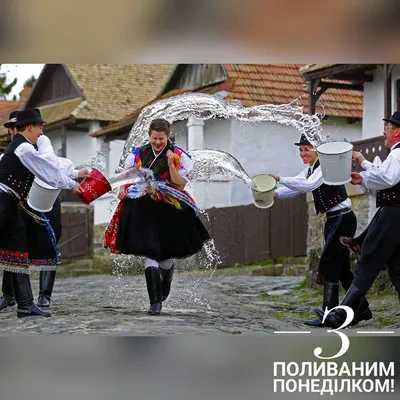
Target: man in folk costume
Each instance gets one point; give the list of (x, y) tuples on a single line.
[(18, 167), (382, 240), (7, 298), (43, 238), (333, 201)]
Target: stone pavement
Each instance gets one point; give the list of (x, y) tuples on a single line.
[(198, 303)]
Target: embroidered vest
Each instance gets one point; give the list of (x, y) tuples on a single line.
[(12, 172), (144, 157), (327, 196), (390, 196)]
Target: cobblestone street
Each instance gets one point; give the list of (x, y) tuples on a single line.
[(197, 304)]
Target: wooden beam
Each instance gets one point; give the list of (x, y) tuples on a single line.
[(337, 69), (354, 77), (59, 124), (387, 87), (312, 95), (345, 86)]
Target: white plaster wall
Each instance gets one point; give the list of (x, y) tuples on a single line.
[(55, 139), (373, 108), (104, 207), (339, 130), (217, 193)]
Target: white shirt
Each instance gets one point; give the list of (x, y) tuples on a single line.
[(383, 176), (42, 166), (301, 184), (66, 166)]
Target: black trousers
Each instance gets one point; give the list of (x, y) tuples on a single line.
[(381, 247), (334, 264)]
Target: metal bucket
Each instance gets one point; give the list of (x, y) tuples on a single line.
[(42, 196), (264, 190), (335, 159)]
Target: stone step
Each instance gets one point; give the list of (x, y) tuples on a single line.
[(296, 261), (280, 270)]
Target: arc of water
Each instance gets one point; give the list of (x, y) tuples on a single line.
[(205, 106)]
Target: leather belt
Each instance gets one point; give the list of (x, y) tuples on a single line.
[(338, 212)]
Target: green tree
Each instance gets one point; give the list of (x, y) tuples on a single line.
[(5, 88), (30, 82)]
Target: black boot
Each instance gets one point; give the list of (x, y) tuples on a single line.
[(153, 281), (363, 313), (6, 301), (47, 279), (8, 298), (352, 299), (166, 279), (24, 297), (330, 300)]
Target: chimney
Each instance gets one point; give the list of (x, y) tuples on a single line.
[(24, 94)]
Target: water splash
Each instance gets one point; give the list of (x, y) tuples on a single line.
[(98, 161), (210, 164), (205, 106)]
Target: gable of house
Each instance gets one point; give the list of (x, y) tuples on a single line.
[(97, 92)]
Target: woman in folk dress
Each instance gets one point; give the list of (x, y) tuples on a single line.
[(158, 224)]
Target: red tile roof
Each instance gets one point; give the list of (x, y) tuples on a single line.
[(255, 84), (6, 106), (282, 83)]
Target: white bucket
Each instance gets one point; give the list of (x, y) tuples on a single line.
[(263, 194), (42, 196), (335, 159)]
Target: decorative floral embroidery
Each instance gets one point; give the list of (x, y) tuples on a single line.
[(166, 191)]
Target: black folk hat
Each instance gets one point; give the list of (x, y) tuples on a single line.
[(395, 119), (303, 141), (12, 119), (29, 116)]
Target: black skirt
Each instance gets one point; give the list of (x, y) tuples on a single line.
[(158, 230), (13, 240), (42, 238)]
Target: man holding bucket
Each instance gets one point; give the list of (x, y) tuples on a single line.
[(333, 201), (18, 167), (44, 238), (382, 240), (8, 292)]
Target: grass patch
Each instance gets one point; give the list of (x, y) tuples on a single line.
[(386, 320), (301, 285), (265, 295)]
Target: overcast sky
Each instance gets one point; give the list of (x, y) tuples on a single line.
[(22, 72)]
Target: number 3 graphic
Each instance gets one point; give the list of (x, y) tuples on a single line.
[(345, 340)]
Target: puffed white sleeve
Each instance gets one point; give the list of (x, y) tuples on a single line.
[(130, 160), (43, 167), (46, 150), (185, 166)]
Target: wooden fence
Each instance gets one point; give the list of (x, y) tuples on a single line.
[(247, 234)]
